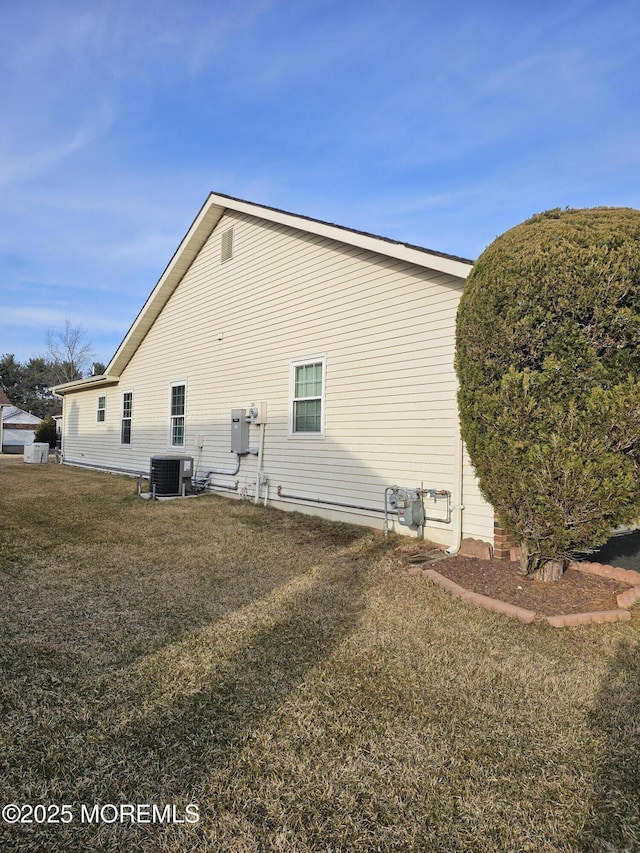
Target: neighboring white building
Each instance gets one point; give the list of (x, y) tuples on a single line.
[(18, 427), (342, 340)]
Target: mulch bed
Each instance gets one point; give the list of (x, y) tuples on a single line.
[(575, 592)]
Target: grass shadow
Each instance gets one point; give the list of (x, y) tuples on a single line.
[(613, 825), (120, 748)]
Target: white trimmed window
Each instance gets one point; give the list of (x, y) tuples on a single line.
[(127, 412), (307, 398), (178, 408), (101, 410)]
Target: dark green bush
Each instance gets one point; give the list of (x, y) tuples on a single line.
[(46, 431), (548, 362)]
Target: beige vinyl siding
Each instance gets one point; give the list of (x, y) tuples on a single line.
[(478, 514), (230, 332)]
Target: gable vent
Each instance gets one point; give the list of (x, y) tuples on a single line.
[(226, 251)]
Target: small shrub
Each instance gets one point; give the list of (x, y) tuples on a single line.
[(46, 431)]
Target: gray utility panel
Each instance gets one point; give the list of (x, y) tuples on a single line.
[(239, 431)]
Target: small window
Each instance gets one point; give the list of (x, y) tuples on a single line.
[(127, 410), (226, 248), (307, 411), (102, 408), (178, 400)]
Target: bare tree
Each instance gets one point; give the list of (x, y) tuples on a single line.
[(69, 352)]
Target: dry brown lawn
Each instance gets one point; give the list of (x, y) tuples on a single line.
[(287, 676)]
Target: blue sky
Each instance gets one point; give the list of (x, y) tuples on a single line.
[(436, 123)]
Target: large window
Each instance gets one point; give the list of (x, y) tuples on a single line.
[(127, 410), (101, 410), (178, 401), (307, 410)]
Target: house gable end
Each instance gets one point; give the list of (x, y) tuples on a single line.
[(205, 224)]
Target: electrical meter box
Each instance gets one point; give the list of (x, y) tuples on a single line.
[(258, 413), (239, 431), (408, 503)]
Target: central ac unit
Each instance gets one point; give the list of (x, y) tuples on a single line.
[(37, 452), (171, 475)]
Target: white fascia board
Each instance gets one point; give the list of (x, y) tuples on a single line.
[(421, 257), (83, 384)]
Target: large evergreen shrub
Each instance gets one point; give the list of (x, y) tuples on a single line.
[(548, 362), (46, 431)]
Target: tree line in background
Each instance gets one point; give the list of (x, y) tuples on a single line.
[(69, 356)]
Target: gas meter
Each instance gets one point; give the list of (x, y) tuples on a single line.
[(408, 504)]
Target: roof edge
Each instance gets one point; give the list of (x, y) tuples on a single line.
[(205, 222), (99, 381), (274, 213)]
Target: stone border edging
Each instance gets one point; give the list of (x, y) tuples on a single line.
[(603, 570), (485, 601), (568, 619), (563, 620), (628, 598)]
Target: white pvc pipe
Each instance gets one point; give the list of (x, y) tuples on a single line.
[(458, 506)]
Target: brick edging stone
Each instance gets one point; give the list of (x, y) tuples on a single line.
[(569, 619), (603, 570), (626, 599), (606, 571), (494, 604), (565, 620)]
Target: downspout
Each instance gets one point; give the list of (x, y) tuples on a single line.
[(458, 506), (1, 427), (63, 431)]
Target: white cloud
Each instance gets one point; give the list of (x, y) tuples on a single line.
[(53, 318), (18, 167)]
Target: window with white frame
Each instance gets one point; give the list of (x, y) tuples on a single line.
[(178, 405), (127, 411), (307, 405), (101, 410)]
